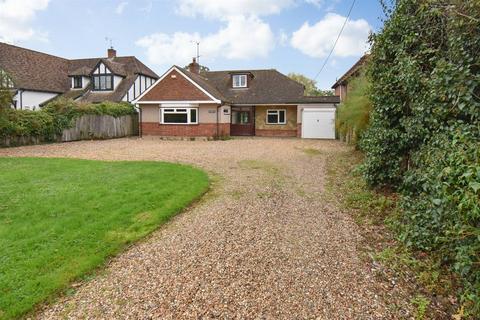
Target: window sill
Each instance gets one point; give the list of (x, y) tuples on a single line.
[(179, 124)]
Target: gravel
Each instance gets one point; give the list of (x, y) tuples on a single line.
[(263, 243)]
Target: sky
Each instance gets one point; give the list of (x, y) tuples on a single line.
[(287, 35)]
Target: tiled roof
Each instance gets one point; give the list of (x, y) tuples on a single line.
[(351, 71), (32, 70)]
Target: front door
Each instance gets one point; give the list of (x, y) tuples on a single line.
[(243, 121)]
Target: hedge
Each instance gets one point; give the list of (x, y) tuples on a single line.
[(424, 134), (56, 116)]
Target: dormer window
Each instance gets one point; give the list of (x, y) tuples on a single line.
[(77, 82), (102, 78), (102, 82), (239, 81)]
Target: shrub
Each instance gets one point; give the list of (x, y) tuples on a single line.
[(424, 132), (54, 117), (354, 113)]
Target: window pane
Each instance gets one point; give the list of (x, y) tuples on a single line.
[(181, 110), (175, 118), (272, 118), (281, 116), (108, 82), (193, 115), (96, 83)]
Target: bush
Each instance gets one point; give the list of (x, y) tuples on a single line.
[(441, 204), (54, 117), (354, 113), (424, 132)]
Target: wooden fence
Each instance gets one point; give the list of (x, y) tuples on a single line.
[(86, 127)]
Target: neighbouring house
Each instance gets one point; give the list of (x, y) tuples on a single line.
[(36, 78), (187, 102), (341, 87)]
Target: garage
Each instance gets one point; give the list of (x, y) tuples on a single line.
[(318, 123)]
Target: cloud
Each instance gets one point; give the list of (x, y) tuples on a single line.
[(224, 9), (241, 38), (16, 16), (121, 7), (317, 40)]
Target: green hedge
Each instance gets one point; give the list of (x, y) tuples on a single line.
[(54, 117), (424, 133)]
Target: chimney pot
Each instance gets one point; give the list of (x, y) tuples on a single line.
[(111, 53)]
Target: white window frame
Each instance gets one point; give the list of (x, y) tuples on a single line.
[(277, 113), (178, 110), (239, 85)]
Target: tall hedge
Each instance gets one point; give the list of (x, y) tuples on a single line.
[(424, 134)]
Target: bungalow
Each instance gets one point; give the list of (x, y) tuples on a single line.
[(36, 78), (187, 102)]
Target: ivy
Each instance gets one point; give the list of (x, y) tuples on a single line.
[(424, 133)]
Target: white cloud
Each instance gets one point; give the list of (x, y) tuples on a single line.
[(241, 38), (121, 7), (223, 9), (16, 17), (317, 40)]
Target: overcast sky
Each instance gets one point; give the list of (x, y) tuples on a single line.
[(288, 35)]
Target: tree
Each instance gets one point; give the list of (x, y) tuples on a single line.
[(310, 85), (5, 99), (353, 115)]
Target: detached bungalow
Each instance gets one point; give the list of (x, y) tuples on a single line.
[(187, 102)]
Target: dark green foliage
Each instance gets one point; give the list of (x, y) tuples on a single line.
[(424, 134), (354, 113), (54, 117)]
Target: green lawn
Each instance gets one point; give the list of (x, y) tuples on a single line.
[(60, 218)]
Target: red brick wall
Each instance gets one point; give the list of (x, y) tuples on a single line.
[(193, 130), (275, 133), (299, 130), (178, 88)]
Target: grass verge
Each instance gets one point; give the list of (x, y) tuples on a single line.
[(427, 289), (61, 218)]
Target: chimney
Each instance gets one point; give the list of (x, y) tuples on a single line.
[(111, 53), (194, 67)]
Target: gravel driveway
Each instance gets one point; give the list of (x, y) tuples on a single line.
[(263, 243)]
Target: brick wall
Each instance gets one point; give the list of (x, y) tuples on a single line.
[(194, 130), (275, 133), (299, 130)]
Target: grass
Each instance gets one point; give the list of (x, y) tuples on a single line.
[(376, 212), (311, 151), (62, 218)]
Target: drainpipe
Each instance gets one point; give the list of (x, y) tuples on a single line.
[(218, 135)]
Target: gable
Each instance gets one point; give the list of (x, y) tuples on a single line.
[(174, 87), (102, 69)]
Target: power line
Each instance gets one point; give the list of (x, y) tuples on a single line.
[(335, 44)]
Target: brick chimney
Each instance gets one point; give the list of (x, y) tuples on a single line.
[(111, 53), (194, 67)]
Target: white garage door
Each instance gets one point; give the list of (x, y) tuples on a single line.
[(318, 123)]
